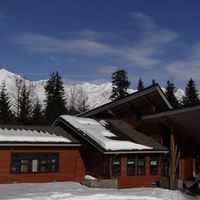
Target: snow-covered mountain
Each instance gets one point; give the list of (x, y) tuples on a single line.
[(98, 94)]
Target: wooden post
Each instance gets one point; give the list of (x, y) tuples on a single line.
[(178, 155), (172, 161), (110, 166)]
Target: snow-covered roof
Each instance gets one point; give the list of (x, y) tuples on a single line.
[(30, 136), (97, 131)]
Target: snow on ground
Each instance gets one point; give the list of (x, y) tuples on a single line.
[(75, 191)]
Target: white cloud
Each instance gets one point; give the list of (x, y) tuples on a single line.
[(187, 67), (153, 42), (143, 21), (145, 52), (44, 44)]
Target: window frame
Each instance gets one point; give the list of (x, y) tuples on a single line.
[(17, 157), (134, 168), (138, 166), (157, 159), (117, 159), (136, 158)]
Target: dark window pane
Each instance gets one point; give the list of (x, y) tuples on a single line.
[(141, 166), (15, 166), (116, 167), (131, 166), (43, 165), (154, 165)]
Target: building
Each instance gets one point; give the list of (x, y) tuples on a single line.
[(39, 154), (178, 129), (112, 149), (139, 140)]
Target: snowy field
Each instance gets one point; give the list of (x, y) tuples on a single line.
[(72, 191)]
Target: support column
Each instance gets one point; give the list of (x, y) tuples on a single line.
[(172, 169)]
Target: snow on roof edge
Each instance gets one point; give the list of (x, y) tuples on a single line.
[(99, 134), (23, 135)]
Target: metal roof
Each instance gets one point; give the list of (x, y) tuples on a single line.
[(35, 131), (124, 132)]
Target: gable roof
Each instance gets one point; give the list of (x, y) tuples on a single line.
[(138, 101), (35, 136), (185, 119), (111, 136)]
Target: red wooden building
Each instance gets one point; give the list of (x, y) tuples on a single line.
[(130, 144), (178, 129), (39, 154), (112, 149)]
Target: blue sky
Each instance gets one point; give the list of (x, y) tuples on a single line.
[(86, 40)]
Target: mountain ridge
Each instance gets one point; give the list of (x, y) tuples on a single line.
[(98, 94)]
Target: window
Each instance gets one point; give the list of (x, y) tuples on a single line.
[(131, 166), (24, 165), (140, 165), (34, 162), (116, 167), (136, 166), (154, 164), (34, 165)]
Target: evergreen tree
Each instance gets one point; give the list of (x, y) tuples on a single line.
[(153, 82), (37, 114), (170, 94), (24, 103), (120, 84), (6, 116), (191, 94), (55, 101), (140, 85)]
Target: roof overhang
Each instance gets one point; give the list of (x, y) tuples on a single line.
[(186, 119), (136, 152), (152, 95)]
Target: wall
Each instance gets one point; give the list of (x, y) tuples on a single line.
[(137, 181), (161, 134), (71, 167)]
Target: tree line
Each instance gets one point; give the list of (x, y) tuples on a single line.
[(120, 85), (26, 109)]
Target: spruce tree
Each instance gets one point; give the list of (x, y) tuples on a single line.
[(55, 101), (170, 94), (24, 104), (120, 84), (191, 93), (153, 82), (37, 114), (6, 116), (140, 85)]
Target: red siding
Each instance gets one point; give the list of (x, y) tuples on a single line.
[(71, 167), (137, 181)]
